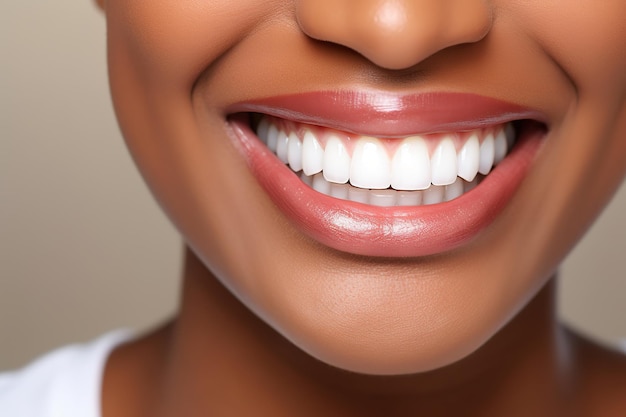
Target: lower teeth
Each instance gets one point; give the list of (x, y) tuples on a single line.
[(390, 197)]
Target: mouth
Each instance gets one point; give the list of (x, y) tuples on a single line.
[(410, 171), (371, 188)]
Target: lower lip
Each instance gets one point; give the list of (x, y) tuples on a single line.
[(386, 231)]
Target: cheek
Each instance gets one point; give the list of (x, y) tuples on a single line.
[(586, 39), (173, 42)]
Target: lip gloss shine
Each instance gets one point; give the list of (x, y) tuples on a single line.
[(387, 231)]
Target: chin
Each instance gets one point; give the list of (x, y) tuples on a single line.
[(390, 349)]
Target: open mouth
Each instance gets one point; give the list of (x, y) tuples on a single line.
[(408, 171), (384, 175)]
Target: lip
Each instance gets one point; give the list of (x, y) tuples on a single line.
[(387, 231), (390, 115)]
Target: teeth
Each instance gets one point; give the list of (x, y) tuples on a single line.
[(339, 191), (443, 163), (383, 198), (410, 198), (294, 152), (370, 166), (499, 147), (312, 155), (416, 176), (487, 153), (410, 166), (262, 129), (336, 163), (469, 158), (454, 190), (272, 138), (320, 184), (282, 146), (433, 195), (359, 195)]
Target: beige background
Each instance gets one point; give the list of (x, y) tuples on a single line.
[(84, 248)]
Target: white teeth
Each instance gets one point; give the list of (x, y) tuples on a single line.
[(499, 147), (415, 177), (410, 166), (358, 195), (307, 179), (320, 184), (433, 195), (294, 152), (336, 163), (443, 163), (409, 198), (454, 190), (282, 146), (389, 197), (339, 191), (312, 155), (370, 166), (272, 138), (383, 198), (487, 153), (469, 186), (468, 159)]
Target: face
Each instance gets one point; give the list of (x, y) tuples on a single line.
[(385, 183)]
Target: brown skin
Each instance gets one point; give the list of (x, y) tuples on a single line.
[(184, 370), (265, 310)]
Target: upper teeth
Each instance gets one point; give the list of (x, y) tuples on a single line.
[(412, 163)]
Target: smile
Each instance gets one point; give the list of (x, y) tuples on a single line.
[(392, 181), (410, 171)]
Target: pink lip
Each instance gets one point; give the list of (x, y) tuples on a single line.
[(390, 115), (387, 231)]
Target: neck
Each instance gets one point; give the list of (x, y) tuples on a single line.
[(219, 350)]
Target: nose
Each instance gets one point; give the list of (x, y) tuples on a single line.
[(395, 34)]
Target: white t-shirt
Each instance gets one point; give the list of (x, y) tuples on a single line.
[(66, 382)]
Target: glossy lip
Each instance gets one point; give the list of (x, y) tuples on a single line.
[(387, 231), (390, 115)]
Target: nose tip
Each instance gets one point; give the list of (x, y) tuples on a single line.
[(395, 34)]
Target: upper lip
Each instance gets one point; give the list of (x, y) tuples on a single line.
[(386, 114)]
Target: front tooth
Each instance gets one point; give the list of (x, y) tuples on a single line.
[(294, 152), (282, 146), (487, 153), (499, 147), (443, 163), (469, 158), (272, 137), (370, 166), (312, 155), (410, 166), (336, 163)]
